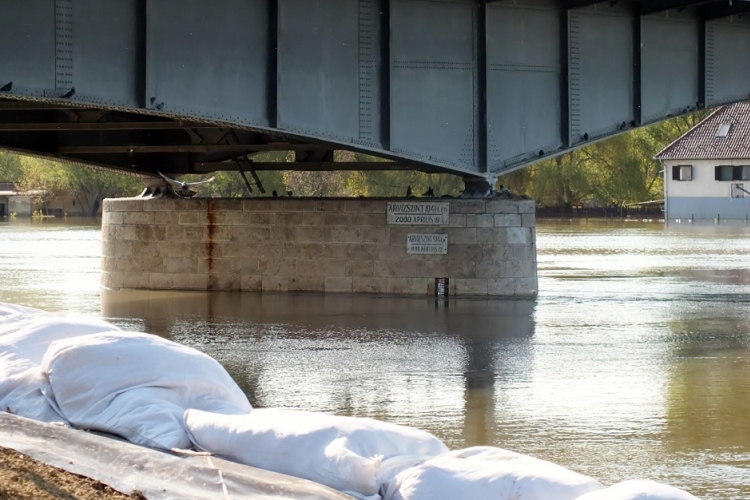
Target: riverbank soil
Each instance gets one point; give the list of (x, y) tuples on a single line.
[(24, 478)]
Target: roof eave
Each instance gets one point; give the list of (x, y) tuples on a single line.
[(693, 158)]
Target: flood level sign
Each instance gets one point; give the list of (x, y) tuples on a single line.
[(434, 244)]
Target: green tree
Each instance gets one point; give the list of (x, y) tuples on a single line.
[(559, 182), (616, 171), (91, 185), (42, 179), (10, 167), (230, 183)]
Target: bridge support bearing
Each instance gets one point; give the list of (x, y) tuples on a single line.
[(316, 245), (480, 187)]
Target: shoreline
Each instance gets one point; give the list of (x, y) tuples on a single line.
[(25, 478)]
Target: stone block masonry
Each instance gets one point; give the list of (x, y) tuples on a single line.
[(318, 245)]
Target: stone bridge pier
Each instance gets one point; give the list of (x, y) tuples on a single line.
[(382, 246)]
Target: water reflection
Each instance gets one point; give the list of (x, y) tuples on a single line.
[(421, 361), (709, 384)]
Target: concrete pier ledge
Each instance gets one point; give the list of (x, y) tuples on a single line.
[(383, 246)]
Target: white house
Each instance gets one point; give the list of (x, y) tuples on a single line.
[(707, 170)]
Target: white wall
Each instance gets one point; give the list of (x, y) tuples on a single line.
[(20, 205), (704, 184), (704, 198)]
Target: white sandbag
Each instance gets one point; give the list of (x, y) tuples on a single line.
[(8, 311), (344, 453), (25, 336), (639, 490), (29, 336), (136, 385), (21, 394), (483, 473)]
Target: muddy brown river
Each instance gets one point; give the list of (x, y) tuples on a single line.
[(633, 362)]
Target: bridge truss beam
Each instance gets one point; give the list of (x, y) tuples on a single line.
[(476, 88)]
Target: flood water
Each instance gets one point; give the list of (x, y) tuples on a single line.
[(633, 362)]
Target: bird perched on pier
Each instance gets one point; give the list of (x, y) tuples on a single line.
[(70, 93), (7, 87), (184, 190), (430, 193)]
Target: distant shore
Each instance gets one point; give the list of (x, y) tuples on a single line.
[(598, 213)]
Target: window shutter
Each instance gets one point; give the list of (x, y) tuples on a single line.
[(676, 173), (717, 173)]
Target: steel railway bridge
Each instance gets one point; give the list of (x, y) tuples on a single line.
[(474, 88)]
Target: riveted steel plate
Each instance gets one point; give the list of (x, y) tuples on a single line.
[(523, 82), (601, 71), (27, 43), (318, 69), (727, 61), (434, 101), (209, 59), (107, 51), (669, 58)]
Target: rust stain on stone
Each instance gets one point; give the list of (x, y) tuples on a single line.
[(210, 244)]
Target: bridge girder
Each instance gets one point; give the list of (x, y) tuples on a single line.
[(477, 88)]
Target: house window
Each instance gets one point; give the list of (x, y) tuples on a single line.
[(731, 173), (682, 173), (738, 191)]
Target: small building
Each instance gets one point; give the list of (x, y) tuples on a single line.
[(62, 205), (24, 204), (707, 170), (13, 202)]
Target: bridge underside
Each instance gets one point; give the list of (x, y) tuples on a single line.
[(473, 88)]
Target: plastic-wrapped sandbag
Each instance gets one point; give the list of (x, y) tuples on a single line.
[(345, 453), (639, 490), (483, 472), (137, 386), (156, 474), (25, 336)]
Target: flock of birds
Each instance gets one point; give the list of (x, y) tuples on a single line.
[(67, 95), (184, 189), (430, 193)]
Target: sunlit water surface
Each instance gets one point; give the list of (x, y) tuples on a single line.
[(634, 361)]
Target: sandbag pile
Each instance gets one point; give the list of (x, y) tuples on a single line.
[(346, 453), (90, 374), (136, 385), (485, 472), (25, 335), (639, 490)]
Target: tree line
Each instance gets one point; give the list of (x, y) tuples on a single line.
[(613, 172), (42, 179)]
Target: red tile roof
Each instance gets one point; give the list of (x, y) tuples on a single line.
[(702, 143)]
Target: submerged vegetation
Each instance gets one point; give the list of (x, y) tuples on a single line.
[(614, 172)]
